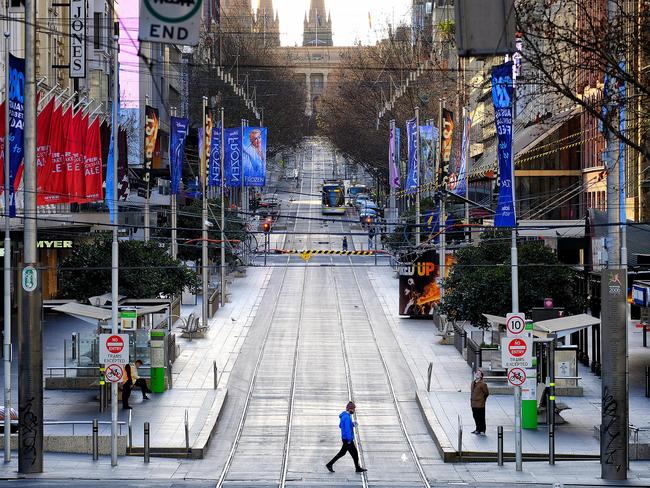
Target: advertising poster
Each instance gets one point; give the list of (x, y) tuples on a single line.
[(214, 163), (179, 129), (419, 290), (393, 158), (16, 126), (447, 144), (502, 99), (428, 139), (458, 181), (232, 156), (412, 170), (151, 125), (254, 156)]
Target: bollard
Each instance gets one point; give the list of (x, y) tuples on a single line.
[(187, 433), (130, 433), (74, 345), (500, 445), (65, 358), (460, 439), (647, 381), (645, 335), (429, 373), (169, 374), (102, 398), (216, 376), (95, 440), (146, 442)]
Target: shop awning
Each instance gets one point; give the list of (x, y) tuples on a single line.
[(564, 326), (87, 313)]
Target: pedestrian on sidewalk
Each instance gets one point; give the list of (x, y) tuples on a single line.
[(347, 425), (132, 380), (345, 243), (479, 394)]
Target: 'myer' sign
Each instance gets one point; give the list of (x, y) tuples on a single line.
[(170, 21)]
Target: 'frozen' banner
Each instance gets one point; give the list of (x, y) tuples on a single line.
[(232, 157), (214, 162), (393, 158), (458, 181), (254, 156), (16, 126), (412, 180), (179, 130), (502, 99)]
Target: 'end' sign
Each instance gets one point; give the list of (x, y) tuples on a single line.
[(170, 21)]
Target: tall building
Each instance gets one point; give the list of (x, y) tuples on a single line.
[(317, 26), (267, 23)]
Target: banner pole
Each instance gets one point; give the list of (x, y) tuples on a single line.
[(417, 175), (223, 215), (204, 218), (7, 258), (147, 174), (174, 209)]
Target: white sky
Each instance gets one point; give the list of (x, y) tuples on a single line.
[(349, 19)]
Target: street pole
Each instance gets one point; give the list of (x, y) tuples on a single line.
[(115, 244), (204, 219), (223, 216), (391, 163), (467, 168), (174, 205), (7, 257), (243, 124), (417, 173), (30, 340), (441, 216), (147, 174)]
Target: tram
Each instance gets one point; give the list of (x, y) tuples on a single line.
[(333, 197)]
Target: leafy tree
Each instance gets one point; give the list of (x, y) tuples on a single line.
[(480, 281), (146, 270)]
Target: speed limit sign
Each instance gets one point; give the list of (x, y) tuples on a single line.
[(515, 324)]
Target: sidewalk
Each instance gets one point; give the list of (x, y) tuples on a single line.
[(451, 378), (193, 378)]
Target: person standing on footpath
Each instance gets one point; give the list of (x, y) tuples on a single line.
[(347, 425), (479, 394)]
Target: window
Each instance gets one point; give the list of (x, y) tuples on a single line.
[(97, 30)]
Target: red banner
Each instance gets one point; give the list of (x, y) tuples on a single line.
[(54, 188), (93, 164), (73, 158), (43, 160)]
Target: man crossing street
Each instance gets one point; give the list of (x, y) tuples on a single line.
[(347, 425)]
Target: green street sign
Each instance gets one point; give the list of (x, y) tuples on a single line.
[(29, 279)]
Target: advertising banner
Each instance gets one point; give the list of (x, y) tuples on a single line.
[(205, 140), (254, 156), (179, 130), (214, 165), (54, 180), (151, 125), (232, 156), (398, 149), (72, 158), (412, 170), (393, 158), (447, 144), (92, 164), (458, 181), (43, 160), (418, 285), (16, 126), (428, 138), (502, 99)]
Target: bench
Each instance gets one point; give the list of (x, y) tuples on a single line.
[(193, 328)]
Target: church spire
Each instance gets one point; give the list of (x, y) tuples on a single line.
[(318, 25)]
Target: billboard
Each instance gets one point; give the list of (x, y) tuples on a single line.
[(419, 289)]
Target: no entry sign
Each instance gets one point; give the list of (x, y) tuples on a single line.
[(517, 352), (516, 376), (114, 348), (517, 348)]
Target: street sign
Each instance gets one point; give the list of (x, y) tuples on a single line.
[(128, 318), (515, 324), (516, 376), (517, 352), (114, 373), (114, 348), (170, 21), (29, 279)]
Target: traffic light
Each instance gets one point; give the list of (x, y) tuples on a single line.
[(266, 227)]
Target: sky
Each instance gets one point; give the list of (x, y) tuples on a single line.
[(349, 19)]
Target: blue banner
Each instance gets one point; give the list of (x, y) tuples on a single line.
[(412, 170), (111, 197), (458, 183), (179, 130), (214, 164), (428, 138), (502, 99), (254, 156), (16, 125), (622, 206), (232, 156)]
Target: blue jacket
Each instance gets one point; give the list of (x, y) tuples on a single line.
[(347, 426)]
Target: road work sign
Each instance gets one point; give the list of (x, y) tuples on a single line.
[(170, 21), (113, 349)]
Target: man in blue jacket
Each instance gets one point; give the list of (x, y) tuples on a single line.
[(347, 426)]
